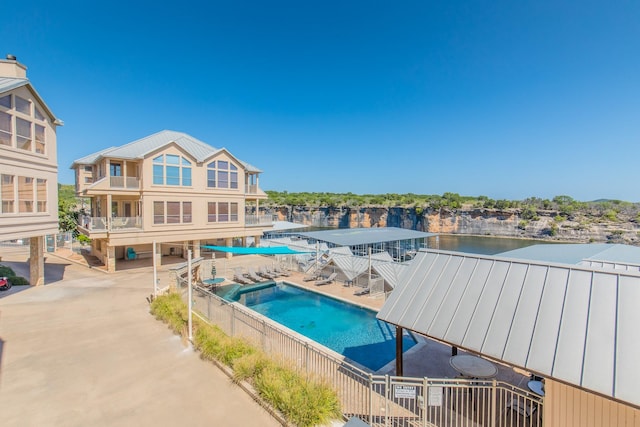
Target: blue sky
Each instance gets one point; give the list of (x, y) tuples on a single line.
[(504, 99)]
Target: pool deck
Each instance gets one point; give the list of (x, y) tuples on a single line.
[(429, 358), (83, 350)]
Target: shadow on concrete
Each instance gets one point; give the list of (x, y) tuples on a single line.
[(1, 352)]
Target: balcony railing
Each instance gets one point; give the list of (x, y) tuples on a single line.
[(258, 220), (251, 189), (97, 224), (124, 182)]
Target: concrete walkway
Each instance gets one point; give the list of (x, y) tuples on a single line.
[(84, 351)]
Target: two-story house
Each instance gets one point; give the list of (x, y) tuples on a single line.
[(171, 189), (28, 165)]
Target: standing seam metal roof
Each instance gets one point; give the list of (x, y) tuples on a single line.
[(143, 146), (574, 324), (10, 83), (362, 236)]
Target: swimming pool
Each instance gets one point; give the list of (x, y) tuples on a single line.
[(345, 328)]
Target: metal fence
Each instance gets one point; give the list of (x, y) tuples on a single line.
[(379, 400)]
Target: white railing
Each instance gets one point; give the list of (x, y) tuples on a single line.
[(251, 189), (258, 220), (379, 400), (96, 224)]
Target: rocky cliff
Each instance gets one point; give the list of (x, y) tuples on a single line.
[(486, 222)]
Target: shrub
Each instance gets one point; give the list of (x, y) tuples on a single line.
[(523, 224), (302, 401), (19, 281), (6, 271), (171, 310)]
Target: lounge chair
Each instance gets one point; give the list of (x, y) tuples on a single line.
[(363, 291), (281, 272), (239, 277), (262, 271), (328, 280), (251, 274), (309, 277)]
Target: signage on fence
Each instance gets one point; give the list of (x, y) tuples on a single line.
[(435, 396), (405, 391)]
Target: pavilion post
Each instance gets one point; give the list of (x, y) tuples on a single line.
[(399, 352)]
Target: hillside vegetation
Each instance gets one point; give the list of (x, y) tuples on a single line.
[(565, 206)]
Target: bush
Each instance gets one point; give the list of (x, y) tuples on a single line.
[(302, 401), (6, 271), (19, 281)]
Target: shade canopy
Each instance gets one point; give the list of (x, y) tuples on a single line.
[(273, 250)]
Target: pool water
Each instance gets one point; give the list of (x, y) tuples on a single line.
[(345, 328)]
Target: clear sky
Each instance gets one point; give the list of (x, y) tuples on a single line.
[(507, 99)]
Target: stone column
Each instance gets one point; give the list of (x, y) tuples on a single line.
[(111, 259), (256, 239), (196, 248), (36, 261)]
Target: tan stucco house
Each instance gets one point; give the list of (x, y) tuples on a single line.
[(28, 164), (169, 188)]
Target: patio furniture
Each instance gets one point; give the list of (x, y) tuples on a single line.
[(328, 280), (131, 254), (251, 274), (536, 386), (213, 283), (239, 277), (470, 366)]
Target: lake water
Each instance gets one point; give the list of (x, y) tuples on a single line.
[(479, 244)]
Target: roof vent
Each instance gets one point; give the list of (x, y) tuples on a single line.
[(11, 57)]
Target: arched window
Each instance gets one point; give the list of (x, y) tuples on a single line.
[(222, 174), (171, 169)]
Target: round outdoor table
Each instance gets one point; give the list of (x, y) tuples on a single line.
[(473, 366), (213, 282), (537, 387)]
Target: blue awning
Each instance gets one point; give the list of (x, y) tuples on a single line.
[(273, 250)]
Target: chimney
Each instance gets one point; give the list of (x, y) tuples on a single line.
[(10, 67)]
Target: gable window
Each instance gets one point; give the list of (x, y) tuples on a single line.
[(23, 134), (170, 169), (7, 193), (23, 106), (19, 127), (38, 114), (5, 129), (222, 174), (39, 137)]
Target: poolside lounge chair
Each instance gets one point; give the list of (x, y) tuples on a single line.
[(328, 280), (309, 277), (363, 291), (262, 271), (239, 277), (281, 272), (251, 274)]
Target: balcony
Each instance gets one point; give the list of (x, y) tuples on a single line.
[(131, 182), (115, 224), (258, 220)]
